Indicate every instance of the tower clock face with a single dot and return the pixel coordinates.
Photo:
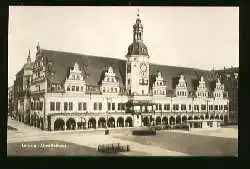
(143, 67)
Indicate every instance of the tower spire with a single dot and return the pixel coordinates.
(29, 59)
(138, 28)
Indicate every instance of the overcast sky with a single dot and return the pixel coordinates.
(198, 37)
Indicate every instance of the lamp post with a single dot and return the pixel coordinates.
(108, 99)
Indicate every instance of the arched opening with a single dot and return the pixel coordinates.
(212, 117)
(196, 118)
(120, 122)
(202, 117)
(111, 122)
(19, 117)
(184, 119)
(178, 120)
(37, 122)
(226, 119)
(165, 120)
(190, 118)
(158, 120)
(101, 122)
(92, 123)
(217, 117)
(221, 117)
(145, 121)
(31, 120)
(207, 116)
(59, 124)
(128, 122)
(71, 124)
(172, 120)
(41, 123)
(196, 124)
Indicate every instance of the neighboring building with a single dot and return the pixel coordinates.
(21, 91)
(75, 91)
(230, 78)
(10, 99)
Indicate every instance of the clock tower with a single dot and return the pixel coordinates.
(137, 65)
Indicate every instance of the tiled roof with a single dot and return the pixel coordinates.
(94, 66)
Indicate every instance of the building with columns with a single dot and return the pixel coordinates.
(69, 91)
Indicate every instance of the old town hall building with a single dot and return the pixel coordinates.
(65, 91)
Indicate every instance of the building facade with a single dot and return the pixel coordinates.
(74, 91)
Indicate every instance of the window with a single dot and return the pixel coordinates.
(165, 106)
(116, 90)
(142, 91)
(73, 88)
(112, 80)
(77, 77)
(57, 106)
(128, 81)
(221, 107)
(225, 107)
(95, 106)
(79, 106)
(109, 106)
(183, 107)
(70, 106)
(203, 107)
(108, 79)
(65, 106)
(176, 107)
(156, 107)
(210, 107)
(113, 106)
(68, 89)
(160, 107)
(123, 106)
(77, 88)
(84, 106)
(119, 106)
(215, 107)
(52, 106)
(168, 106)
(190, 107)
(100, 106)
(103, 89)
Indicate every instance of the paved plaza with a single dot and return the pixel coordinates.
(223, 142)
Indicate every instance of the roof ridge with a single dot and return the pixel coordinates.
(81, 54)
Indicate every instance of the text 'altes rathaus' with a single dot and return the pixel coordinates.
(69, 91)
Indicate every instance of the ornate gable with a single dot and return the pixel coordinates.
(202, 89)
(219, 90)
(159, 87)
(75, 82)
(110, 84)
(181, 88)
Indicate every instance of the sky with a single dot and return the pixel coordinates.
(197, 37)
